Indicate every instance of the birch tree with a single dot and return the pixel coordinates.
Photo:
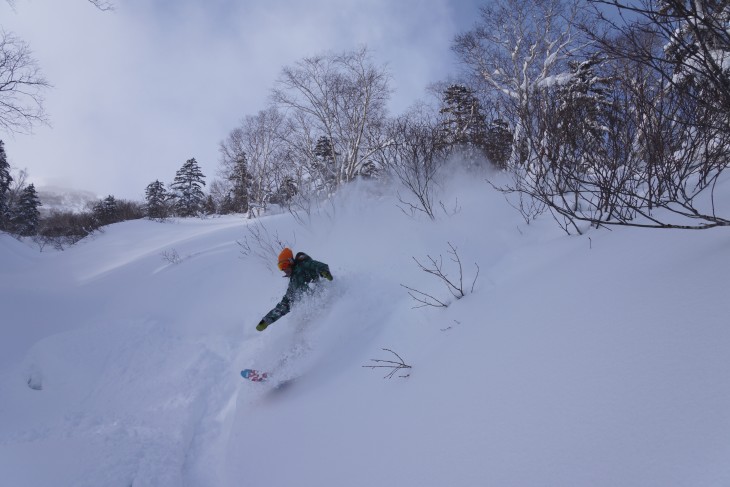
(516, 48)
(21, 86)
(21, 81)
(259, 141)
(518, 44)
(338, 96)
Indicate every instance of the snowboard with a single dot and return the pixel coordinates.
(254, 375)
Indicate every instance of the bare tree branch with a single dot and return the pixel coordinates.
(21, 86)
(261, 243)
(632, 132)
(414, 156)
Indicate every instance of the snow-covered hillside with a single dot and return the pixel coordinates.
(599, 360)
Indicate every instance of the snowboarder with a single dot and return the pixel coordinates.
(301, 270)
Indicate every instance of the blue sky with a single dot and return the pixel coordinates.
(140, 90)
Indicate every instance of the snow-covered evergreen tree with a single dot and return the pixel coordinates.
(498, 143)
(225, 205)
(572, 122)
(464, 126)
(105, 211)
(209, 206)
(156, 196)
(188, 189)
(323, 166)
(5, 180)
(696, 37)
(581, 105)
(699, 40)
(240, 178)
(285, 192)
(25, 215)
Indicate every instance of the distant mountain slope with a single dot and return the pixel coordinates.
(65, 199)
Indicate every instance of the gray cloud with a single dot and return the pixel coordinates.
(142, 89)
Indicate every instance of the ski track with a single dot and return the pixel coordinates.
(152, 413)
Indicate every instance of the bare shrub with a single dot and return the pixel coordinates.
(61, 229)
(415, 156)
(436, 268)
(261, 243)
(171, 256)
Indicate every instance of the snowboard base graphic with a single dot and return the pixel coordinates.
(254, 375)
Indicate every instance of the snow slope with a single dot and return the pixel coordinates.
(576, 361)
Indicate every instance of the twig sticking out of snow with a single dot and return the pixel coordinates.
(456, 288)
(390, 364)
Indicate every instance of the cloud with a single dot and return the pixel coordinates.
(140, 90)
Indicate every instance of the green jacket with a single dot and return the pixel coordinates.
(304, 271)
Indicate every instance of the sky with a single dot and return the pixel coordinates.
(140, 90)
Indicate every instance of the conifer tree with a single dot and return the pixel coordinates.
(697, 46)
(324, 163)
(240, 177)
(187, 188)
(156, 196)
(209, 207)
(105, 211)
(5, 180)
(498, 143)
(464, 126)
(25, 215)
(226, 205)
(581, 102)
(285, 192)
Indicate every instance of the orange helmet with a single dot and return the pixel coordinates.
(286, 259)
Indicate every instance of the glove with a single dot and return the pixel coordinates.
(262, 325)
(326, 275)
